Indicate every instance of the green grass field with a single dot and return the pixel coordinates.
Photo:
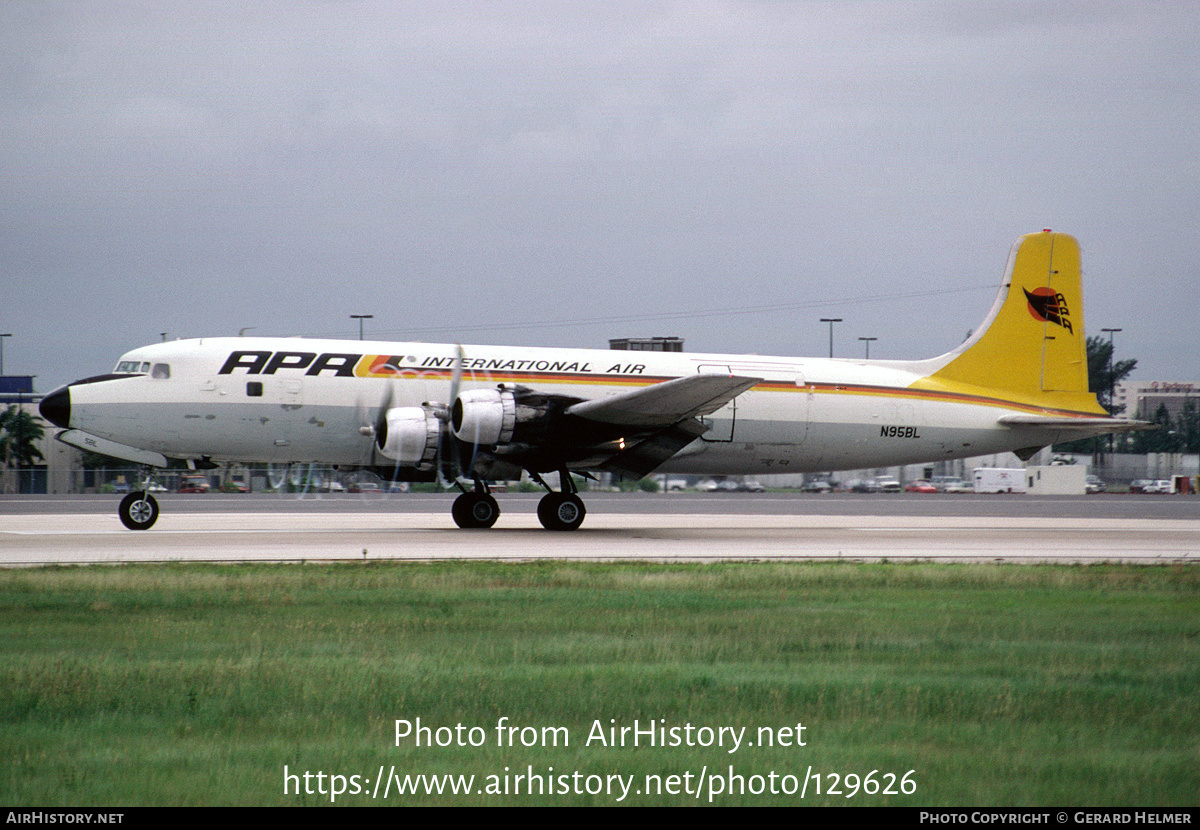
(959, 685)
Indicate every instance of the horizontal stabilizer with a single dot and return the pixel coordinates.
(1089, 425)
(667, 403)
(91, 443)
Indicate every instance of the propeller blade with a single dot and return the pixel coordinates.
(381, 429)
(448, 449)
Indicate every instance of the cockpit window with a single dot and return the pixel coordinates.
(162, 371)
(132, 367)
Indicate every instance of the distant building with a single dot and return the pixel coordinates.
(1142, 399)
(647, 344)
(17, 389)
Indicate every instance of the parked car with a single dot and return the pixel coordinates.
(1094, 484)
(194, 484)
(818, 485)
(1139, 485)
(863, 485)
(1161, 485)
(958, 486)
(751, 487)
(888, 484)
(706, 486)
(920, 486)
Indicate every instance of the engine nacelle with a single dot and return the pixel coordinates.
(409, 436)
(484, 416)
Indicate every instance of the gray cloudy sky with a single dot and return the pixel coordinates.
(560, 173)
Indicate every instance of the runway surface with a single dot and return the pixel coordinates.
(62, 530)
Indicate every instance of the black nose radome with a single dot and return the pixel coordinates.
(56, 407)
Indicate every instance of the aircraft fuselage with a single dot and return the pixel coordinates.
(299, 400)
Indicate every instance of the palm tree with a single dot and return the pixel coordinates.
(1103, 376)
(1104, 373)
(19, 432)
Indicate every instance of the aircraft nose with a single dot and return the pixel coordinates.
(56, 407)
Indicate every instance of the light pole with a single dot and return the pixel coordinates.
(360, 318)
(1112, 381)
(831, 321)
(2, 336)
(867, 340)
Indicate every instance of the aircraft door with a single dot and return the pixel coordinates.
(721, 423)
(798, 417)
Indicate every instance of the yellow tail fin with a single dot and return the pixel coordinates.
(1031, 349)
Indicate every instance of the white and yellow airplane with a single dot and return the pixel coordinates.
(420, 411)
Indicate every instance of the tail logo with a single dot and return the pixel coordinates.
(1048, 306)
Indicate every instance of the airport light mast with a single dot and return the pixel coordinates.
(831, 321)
(1112, 381)
(360, 318)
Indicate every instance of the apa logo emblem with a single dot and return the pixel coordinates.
(1048, 306)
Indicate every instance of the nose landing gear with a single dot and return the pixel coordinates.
(138, 510)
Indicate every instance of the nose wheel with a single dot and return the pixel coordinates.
(138, 511)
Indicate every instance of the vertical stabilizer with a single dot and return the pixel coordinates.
(1032, 348)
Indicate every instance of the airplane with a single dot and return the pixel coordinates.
(471, 415)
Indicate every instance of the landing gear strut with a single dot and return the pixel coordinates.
(561, 511)
(476, 508)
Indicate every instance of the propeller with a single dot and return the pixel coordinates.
(373, 425)
(448, 459)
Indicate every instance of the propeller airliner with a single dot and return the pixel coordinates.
(478, 414)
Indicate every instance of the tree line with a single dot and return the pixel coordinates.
(1178, 434)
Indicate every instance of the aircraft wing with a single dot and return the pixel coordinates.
(665, 404)
(667, 410)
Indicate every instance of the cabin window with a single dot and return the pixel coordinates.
(254, 389)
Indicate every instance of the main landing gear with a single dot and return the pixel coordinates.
(476, 508)
(564, 510)
(561, 511)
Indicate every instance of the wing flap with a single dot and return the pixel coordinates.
(646, 456)
(667, 403)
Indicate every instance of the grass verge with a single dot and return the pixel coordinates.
(985, 685)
